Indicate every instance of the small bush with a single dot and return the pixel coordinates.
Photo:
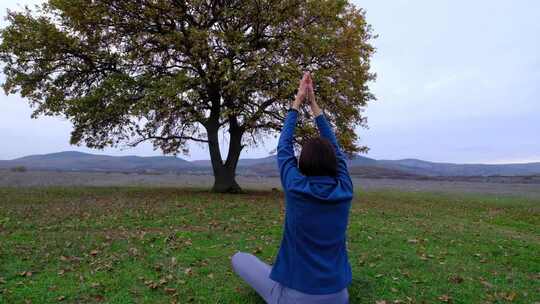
(19, 169)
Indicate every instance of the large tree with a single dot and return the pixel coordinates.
(172, 72)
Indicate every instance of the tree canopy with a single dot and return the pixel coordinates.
(171, 72)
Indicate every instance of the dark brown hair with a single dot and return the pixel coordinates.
(318, 158)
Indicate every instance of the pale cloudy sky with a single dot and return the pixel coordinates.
(458, 81)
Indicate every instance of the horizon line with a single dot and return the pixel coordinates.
(499, 162)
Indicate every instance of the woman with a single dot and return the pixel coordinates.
(312, 264)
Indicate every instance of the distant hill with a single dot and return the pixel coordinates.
(409, 168)
(358, 166)
(426, 168)
(77, 161)
(266, 166)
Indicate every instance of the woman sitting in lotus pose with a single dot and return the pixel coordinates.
(312, 264)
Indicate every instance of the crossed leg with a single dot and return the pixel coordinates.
(256, 273)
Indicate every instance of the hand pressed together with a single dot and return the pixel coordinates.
(306, 94)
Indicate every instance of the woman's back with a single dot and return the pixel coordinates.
(312, 257)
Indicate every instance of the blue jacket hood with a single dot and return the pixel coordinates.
(326, 189)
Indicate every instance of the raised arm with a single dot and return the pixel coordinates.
(287, 163)
(325, 130)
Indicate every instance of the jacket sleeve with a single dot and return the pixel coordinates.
(325, 131)
(287, 163)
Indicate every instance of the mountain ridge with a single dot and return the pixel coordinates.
(359, 165)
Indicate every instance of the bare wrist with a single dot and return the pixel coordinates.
(315, 109)
(296, 103)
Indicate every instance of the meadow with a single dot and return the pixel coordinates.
(172, 245)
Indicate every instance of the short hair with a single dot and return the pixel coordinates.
(318, 158)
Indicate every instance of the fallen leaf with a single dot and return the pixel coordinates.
(151, 284)
(510, 296)
(456, 279)
(99, 298)
(486, 284)
(445, 298)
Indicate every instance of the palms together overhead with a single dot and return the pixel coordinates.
(306, 93)
(305, 89)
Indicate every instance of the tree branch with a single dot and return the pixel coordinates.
(166, 138)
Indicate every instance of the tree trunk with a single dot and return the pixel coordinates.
(225, 173)
(225, 181)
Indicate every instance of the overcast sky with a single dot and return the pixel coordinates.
(458, 81)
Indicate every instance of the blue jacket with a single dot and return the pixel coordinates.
(313, 256)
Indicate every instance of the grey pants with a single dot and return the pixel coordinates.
(256, 273)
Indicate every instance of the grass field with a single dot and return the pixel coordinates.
(148, 245)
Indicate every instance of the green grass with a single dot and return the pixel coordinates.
(147, 245)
